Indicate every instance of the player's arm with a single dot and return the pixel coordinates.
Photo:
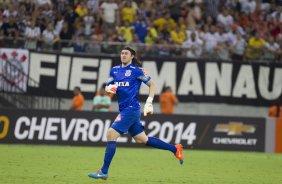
(111, 87)
(148, 108)
(152, 88)
(145, 78)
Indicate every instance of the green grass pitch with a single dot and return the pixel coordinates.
(22, 164)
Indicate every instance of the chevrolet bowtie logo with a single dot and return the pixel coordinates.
(235, 128)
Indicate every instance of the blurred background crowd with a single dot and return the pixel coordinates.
(225, 30)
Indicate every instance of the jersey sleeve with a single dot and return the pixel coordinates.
(111, 78)
(143, 75)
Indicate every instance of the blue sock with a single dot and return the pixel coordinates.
(109, 154)
(157, 143)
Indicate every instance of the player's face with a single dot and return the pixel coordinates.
(126, 57)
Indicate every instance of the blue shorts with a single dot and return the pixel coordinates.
(128, 121)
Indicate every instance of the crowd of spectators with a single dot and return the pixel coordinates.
(221, 29)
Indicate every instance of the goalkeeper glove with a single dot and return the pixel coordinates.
(148, 108)
(112, 88)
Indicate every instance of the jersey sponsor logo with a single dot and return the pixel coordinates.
(127, 73)
(122, 83)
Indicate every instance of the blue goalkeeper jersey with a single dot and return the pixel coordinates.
(128, 80)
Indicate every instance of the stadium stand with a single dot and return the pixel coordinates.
(226, 30)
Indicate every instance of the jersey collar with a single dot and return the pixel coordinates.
(126, 66)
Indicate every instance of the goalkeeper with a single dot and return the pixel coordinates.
(125, 81)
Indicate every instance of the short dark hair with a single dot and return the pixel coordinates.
(166, 88)
(77, 88)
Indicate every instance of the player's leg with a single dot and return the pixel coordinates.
(154, 142)
(137, 132)
(120, 126)
(112, 136)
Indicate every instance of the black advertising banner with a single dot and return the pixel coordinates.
(192, 80)
(210, 132)
(89, 129)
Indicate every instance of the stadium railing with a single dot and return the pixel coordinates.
(91, 47)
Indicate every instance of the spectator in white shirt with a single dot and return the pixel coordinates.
(238, 48)
(190, 31)
(210, 42)
(93, 5)
(88, 23)
(248, 6)
(32, 36)
(272, 49)
(49, 37)
(265, 5)
(225, 19)
(43, 2)
(10, 11)
(277, 15)
(59, 23)
(223, 51)
(109, 13)
(220, 34)
(47, 12)
(229, 37)
(193, 46)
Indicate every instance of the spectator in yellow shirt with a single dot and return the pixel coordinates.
(152, 29)
(128, 12)
(152, 34)
(255, 47)
(182, 24)
(177, 36)
(256, 42)
(165, 20)
(127, 31)
(81, 9)
(150, 39)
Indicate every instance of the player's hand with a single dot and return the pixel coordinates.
(148, 108)
(112, 88)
